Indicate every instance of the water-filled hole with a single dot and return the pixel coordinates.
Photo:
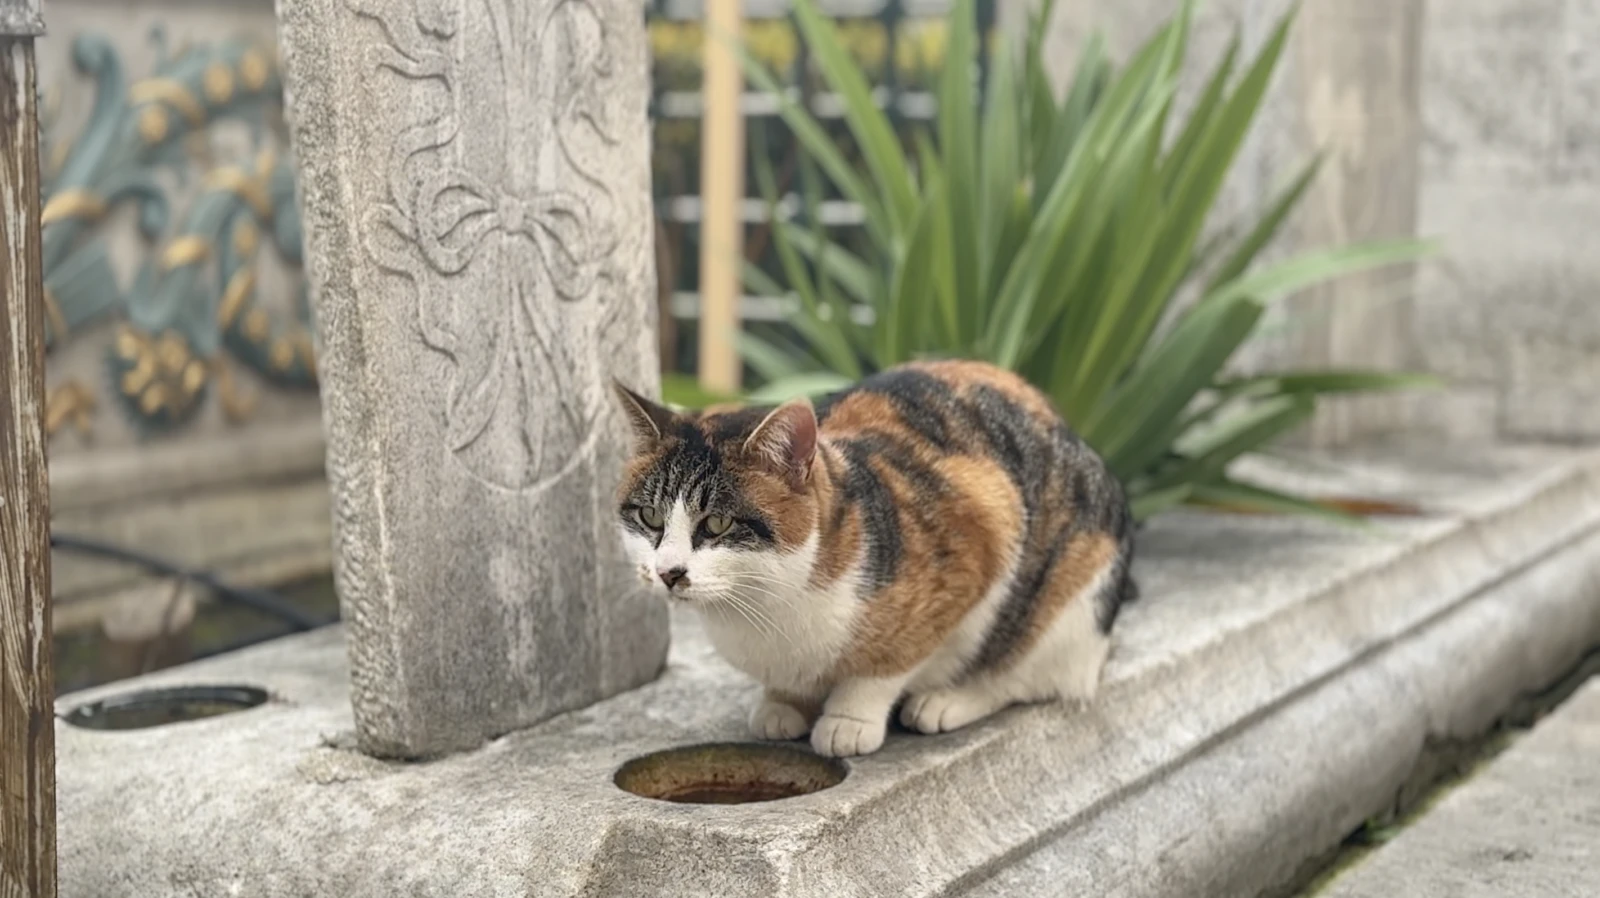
(159, 707)
(729, 773)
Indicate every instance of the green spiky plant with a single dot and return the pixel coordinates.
(1052, 237)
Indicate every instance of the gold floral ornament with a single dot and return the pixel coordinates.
(161, 376)
(73, 203)
(237, 406)
(218, 83)
(160, 97)
(71, 403)
(254, 69)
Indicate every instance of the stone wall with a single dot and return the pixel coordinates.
(182, 411)
(1511, 180)
(1468, 121)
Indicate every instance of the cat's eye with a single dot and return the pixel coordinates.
(718, 524)
(650, 517)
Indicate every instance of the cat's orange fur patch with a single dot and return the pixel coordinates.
(974, 535)
(793, 514)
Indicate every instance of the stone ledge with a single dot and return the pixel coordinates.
(1269, 691)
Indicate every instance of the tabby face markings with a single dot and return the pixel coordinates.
(687, 519)
(702, 555)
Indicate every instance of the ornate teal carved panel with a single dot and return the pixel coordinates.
(193, 306)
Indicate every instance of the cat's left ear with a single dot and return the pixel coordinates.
(787, 440)
(649, 420)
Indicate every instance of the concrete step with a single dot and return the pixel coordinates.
(1527, 826)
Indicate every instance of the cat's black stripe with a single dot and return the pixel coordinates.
(734, 425)
(1122, 588)
(1011, 620)
(863, 489)
(893, 452)
(922, 401)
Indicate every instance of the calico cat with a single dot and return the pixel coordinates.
(935, 532)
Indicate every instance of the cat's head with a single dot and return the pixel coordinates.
(719, 504)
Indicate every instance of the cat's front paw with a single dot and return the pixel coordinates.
(838, 737)
(947, 709)
(777, 721)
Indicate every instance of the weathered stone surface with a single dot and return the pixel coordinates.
(1205, 769)
(1492, 78)
(1511, 307)
(475, 183)
(1528, 826)
(1511, 175)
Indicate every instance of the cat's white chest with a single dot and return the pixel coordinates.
(791, 641)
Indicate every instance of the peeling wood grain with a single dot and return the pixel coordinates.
(27, 687)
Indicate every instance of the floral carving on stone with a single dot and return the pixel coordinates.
(495, 212)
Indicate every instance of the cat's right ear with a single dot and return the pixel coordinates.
(649, 420)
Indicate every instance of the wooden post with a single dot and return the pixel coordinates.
(721, 196)
(27, 682)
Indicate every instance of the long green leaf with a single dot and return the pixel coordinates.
(1266, 228)
(1160, 389)
(1211, 453)
(820, 147)
(903, 333)
(1136, 230)
(769, 361)
(1123, 173)
(1001, 164)
(1202, 115)
(1321, 265)
(1146, 505)
(1243, 495)
(852, 272)
(835, 308)
(811, 384)
(1221, 431)
(958, 150)
(1058, 208)
(867, 122)
(947, 301)
(827, 336)
(1057, 134)
(1193, 196)
(758, 281)
(1324, 382)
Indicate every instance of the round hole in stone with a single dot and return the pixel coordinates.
(729, 773)
(159, 707)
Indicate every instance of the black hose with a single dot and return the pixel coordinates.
(260, 600)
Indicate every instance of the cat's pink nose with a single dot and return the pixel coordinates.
(673, 576)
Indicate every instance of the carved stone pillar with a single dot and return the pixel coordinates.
(475, 185)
